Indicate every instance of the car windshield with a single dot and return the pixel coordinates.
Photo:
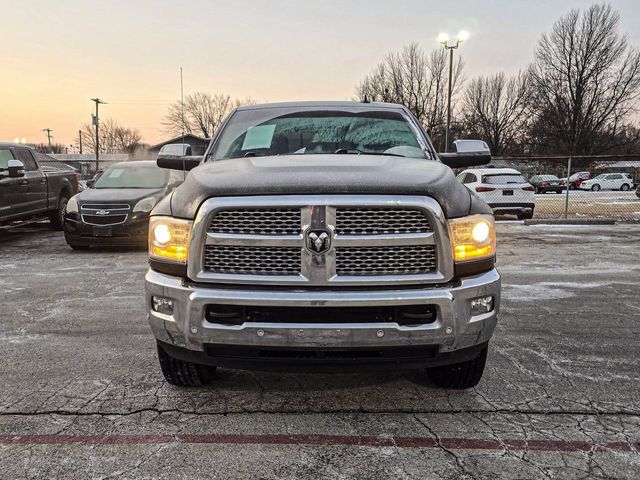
(133, 176)
(503, 178)
(548, 177)
(290, 131)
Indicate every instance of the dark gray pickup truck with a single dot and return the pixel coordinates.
(324, 237)
(29, 190)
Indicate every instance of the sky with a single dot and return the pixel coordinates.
(56, 56)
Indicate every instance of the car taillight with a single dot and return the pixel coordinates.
(484, 189)
(530, 188)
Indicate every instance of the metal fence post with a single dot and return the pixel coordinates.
(566, 196)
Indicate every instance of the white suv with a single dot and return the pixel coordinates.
(504, 189)
(608, 181)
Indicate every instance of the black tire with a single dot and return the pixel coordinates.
(460, 375)
(525, 216)
(625, 187)
(572, 186)
(181, 373)
(539, 190)
(56, 217)
(595, 188)
(75, 246)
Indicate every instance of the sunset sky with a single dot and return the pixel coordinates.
(56, 56)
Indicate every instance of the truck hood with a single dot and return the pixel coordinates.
(322, 174)
(117, 195)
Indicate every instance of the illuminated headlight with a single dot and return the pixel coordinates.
(481, 305)
(72, 205)
(169, 239)
(145, 205)
(472, 237)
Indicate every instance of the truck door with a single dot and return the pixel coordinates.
(10, 198)
(34, 183)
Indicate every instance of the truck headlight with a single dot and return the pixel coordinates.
(169, 239)
(72, 205)
(145, 205)
(472, 237)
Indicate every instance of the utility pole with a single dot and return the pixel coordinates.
(80, 136)
(48, 130)
(96, 122)
(443, 38)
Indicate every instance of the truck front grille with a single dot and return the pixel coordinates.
(265, 221)
(378, 221)
(104, 220)
(404, 260)
(252, 260)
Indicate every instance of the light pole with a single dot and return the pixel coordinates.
(96, 122)
(443, 38)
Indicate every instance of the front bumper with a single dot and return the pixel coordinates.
(454, 329)
(134, 232)
(506, 208)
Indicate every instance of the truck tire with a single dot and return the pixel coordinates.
(181, 373)
(460, 375)
(56, 217)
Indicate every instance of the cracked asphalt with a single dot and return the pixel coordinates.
(82, 396)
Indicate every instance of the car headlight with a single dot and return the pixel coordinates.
(72, 205)
(169, 239)
(472, 237)
(145, 205)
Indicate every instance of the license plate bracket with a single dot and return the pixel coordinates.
(102, 232)
(507, 192)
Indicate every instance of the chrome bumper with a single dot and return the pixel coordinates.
(453, 329)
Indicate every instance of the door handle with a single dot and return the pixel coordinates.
(24, 182)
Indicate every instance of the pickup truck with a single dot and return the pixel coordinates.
(29, 190)
(323, 236)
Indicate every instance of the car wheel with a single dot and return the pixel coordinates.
(181, 373)
(460, 375)
(539, 190)
(75, 246)
(595, 188)
(56, 217)
(625, 187)
(572, 186)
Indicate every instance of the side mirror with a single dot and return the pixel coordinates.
(175, 162)
(468, 153)
(90, 183)
(15, 168)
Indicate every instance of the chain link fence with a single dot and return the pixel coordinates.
(593, 187)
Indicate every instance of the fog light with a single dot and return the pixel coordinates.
(481, 305)
(162, 305)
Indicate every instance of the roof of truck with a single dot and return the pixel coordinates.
(325, 104)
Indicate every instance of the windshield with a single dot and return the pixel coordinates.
(125, 176)
(503, 178)
(287, 131)
(548, 177)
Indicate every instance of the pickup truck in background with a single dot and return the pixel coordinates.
(29, 189)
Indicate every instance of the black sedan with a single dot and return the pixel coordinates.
(547, 183)
(115, 210)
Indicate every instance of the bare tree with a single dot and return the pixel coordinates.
(203, 113)
(496, 109)
(417, 80)
(114, 138)
(586, 80)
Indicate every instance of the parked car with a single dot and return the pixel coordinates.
(638, 191)
(323, 236)
(546, 183)
(504, 189)
(608, 181)
(29, 190)
(576, 179)
(115, 210)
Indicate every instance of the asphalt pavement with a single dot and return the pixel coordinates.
(82, 396)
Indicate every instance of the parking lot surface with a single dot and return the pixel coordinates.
(82, 396)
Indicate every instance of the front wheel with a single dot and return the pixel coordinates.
(595, 188)
(182, 373)
(625, 187)
(56, 217)
(460, 375)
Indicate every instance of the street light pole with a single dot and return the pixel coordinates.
(96, 121)
(443, 38)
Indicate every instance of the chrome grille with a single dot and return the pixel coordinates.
(105, 206)
(252, 260)
(267, 221)
(104, 220)
(387, 260)
(379, 221)
(104, 213)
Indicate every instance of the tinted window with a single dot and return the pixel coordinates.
(503, 178)
(25, 157)
(125, 176)
(287, 131)
(470, 178)
(615, 177)
(5, 156)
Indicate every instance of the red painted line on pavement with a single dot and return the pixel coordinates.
(331, 440)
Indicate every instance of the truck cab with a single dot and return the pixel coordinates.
(323, 236)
